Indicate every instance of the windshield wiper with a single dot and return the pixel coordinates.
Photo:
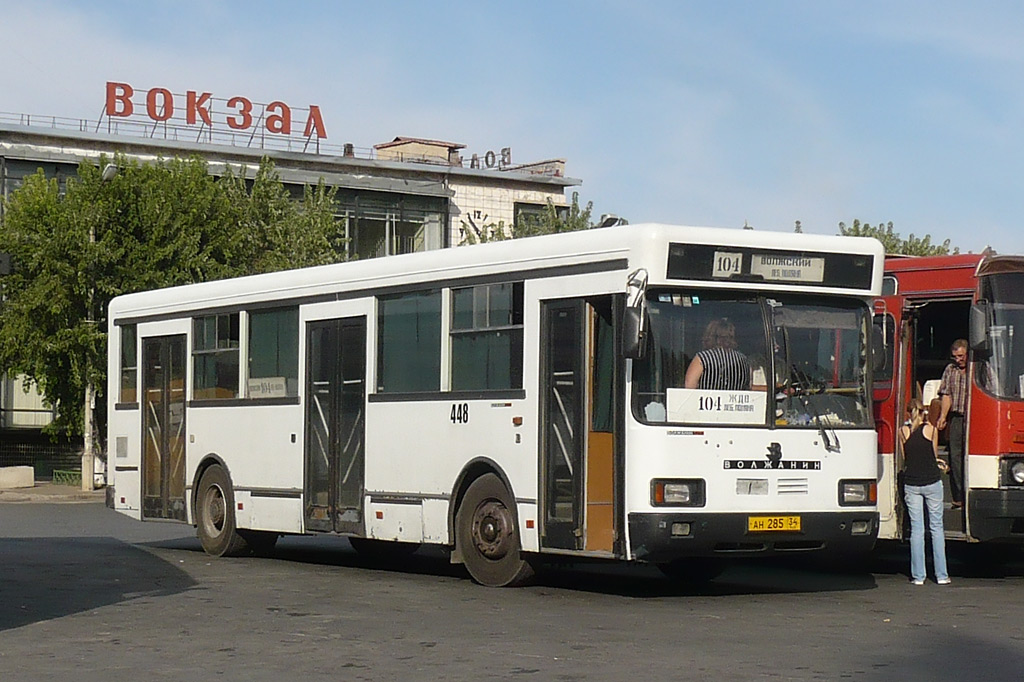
(806, 384)
(800, 393)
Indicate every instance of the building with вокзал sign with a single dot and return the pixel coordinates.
(402, 195)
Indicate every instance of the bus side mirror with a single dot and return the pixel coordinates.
(633, 329)
(634, 316)
(979, 326)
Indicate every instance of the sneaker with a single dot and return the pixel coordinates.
(915, 581)
(944, 581)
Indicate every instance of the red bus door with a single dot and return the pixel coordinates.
(891, 348)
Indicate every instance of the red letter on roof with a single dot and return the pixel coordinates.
(198, 104)
(315, 122)
(244, 120)
(119, 99)
(153, 108)
(279, 122)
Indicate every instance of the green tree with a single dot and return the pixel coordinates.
(272, 230)
(147, 226)
(483, 234)
(556, 219)
(895, 244)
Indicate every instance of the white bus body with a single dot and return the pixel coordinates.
(510, 400)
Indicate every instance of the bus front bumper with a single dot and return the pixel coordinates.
(665, 536)
(996, 514)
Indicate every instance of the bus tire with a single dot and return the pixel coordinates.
(488, 535)
(215, 515)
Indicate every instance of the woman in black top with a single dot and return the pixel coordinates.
(720, 366)
(922, 487)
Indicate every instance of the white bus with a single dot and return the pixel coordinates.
(512, 401)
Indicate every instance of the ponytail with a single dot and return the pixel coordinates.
(915, 408)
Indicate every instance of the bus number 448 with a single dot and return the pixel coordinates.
(460, 413)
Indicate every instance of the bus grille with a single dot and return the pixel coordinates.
(793, 486)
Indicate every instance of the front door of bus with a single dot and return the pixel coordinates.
(891, 347)
(577, 409)
(163, 427)
(335, 415)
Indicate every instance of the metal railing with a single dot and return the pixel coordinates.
(166, 130)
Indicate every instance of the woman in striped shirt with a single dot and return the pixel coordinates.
(719, 366)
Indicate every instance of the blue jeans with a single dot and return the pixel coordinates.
(917, 496)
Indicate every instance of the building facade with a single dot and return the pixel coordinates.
(400, 196)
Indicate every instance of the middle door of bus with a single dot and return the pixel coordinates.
(578, 413)
(335, 422)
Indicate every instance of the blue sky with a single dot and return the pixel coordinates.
(704, 113)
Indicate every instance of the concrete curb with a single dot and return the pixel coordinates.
(48, 493)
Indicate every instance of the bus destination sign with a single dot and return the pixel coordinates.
(749, 264)
(771, 267)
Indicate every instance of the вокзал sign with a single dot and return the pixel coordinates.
(203, 109)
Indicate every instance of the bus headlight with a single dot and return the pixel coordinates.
(677, 492)
(1013, 472)
(858, 493)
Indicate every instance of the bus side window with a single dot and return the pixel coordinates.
(487, 337)
(273, 354)
(215, 357)
(129, 365)
(409, 342)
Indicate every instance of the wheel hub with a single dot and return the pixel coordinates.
(492, 524)
(215, 510)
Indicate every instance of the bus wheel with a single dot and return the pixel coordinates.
(488, 537)
(215, 515)
(695, 570)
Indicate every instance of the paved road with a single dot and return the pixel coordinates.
(86, 594)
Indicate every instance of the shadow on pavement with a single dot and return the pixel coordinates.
(965, 560)
(757, 576)
(798, 573)
(46, 578)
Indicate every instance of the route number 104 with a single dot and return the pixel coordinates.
(727, 264)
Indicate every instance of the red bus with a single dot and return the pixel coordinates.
(927, 303)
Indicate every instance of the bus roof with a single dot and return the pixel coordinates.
(949, 275)
(896, 264)
(604, 249)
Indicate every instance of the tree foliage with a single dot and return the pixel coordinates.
(895, 244)
(149, 226)
(552, 220)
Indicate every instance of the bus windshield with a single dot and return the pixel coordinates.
(788, 361)
(821, 362)
(1000, 371)
(1003, 372)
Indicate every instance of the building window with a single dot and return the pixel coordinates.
(215, 357)
(526, 214)
(129, 365)
(487, 337)
(380, 224)
(273, 354)
(409, 342)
